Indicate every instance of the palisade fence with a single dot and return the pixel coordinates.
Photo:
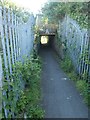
(77, 44)
(16, 41)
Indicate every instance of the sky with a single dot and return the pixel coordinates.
(33, 5)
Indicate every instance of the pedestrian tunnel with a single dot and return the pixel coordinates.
(44, 40)
(47, 41)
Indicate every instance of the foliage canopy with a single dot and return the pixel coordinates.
(19, 11)
(55, 11)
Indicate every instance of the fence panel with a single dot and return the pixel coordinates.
(77, 42)
(17, 40)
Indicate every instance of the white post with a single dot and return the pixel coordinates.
(18, 39)
(4, 54)
(13, 32)
(16, 48)
(10, 35)
(0, 87)
(7, 40)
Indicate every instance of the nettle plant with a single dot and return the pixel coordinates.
(22, 90)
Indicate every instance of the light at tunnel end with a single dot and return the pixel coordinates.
(44, 39)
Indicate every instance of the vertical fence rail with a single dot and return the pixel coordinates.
(4, 53)
(16, 38)
(1, 75)
(10, 35)
(77, 42)
(13, 31)
(7, 39)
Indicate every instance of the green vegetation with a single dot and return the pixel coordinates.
(85, 56)
(19, 11)
(56, 11)
(67, 66)
(79, 12)
(81, 84)
(23, 92)
(83, 88)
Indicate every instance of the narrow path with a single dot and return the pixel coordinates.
(60, 97)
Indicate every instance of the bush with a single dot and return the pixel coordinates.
(28, 102)
(24, 89)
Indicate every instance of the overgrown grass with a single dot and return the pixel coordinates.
(66, 64)
(24, 89)
(81, 85)
(29, 101)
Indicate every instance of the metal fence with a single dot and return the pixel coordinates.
(16, 40)
(77, 43)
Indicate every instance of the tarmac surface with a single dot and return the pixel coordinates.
(60, 98)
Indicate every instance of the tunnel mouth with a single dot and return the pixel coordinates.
(44, 40)
(48, 44)
(47, 40)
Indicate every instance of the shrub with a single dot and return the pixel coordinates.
(23, 89)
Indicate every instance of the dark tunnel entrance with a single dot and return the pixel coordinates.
(46, 41)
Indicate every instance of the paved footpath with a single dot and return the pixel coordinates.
(60, 98)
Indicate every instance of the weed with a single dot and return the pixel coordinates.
(81, 85)
(24, 100)
(66, 64)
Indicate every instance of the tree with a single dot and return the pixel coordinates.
(20, 12)
(55, 11)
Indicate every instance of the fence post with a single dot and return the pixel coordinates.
(13, 32)
(0, 87)
(0, 68)
(10, 35)
(18, 39)
(7, 39)
(15, 19)
(4, 54)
